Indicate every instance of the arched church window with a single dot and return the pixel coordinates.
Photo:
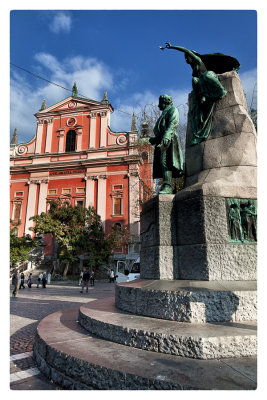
(70, 141)
(144, 156)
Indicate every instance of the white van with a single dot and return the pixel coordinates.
(124, 275)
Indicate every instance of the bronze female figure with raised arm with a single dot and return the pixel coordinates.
(207, 88)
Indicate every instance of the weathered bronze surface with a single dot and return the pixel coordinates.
(207, 88)
(242, 220)
(168, 157)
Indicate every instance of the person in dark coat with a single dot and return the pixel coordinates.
(44, 280)
(168, 157)
(15, 282)
(22, 277)
(92, 278)
(85, 280)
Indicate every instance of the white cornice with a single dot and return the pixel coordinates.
(95, 162)
(76, 99)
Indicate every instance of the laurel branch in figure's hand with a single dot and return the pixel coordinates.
(167, 46)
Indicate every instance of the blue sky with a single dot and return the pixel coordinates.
(118, 51)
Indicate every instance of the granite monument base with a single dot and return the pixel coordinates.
(189, 237)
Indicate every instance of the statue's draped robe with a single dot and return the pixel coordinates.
(207, 89)
(166, 126)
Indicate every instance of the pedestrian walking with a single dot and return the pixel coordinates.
(49, 276)
(92, 278)
(30, 281)
(22, 281)
(111, 276)
(39, 280)
(15, 282)
(44, 280)
(85, 280)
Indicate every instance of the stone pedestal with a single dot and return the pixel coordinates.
(219, 171)
(205, 250)
(158, 239)
(225, 164)
(198, 248)
(189, 238)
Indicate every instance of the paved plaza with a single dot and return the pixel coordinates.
(26, 311)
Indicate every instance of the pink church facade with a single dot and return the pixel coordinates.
(75, 157)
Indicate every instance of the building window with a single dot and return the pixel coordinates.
(52, 191)
(80, 190)
(16, 211)
(117, 187)
(70, 141)
(80, 203)
(66, 191)
(71, 121)
(144, 156)
(18, 194)
(117, 206)
(117, 225)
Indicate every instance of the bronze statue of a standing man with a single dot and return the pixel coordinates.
(168, 157)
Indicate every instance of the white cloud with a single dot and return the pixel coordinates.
(91, 76)
(49, 61)
(61, 22)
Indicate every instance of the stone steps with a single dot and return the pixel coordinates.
(75, 359)
(189, 300)
(202, 341)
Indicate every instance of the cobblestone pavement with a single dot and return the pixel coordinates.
(26, 311)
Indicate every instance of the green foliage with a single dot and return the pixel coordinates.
(20, 247)
(77, 230)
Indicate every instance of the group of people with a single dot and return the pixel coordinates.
(18, 281)
(85, 278)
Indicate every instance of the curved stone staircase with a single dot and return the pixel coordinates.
(98, 346)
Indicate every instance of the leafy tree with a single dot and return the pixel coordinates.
(77, 231)
(20, 247)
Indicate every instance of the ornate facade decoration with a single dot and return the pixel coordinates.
(85, 161)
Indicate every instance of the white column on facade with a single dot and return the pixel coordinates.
(42, 196)
(103, 129)
(61, 141)
(134, 213)
(101, 198)
(30, 207)
(79, 139)
(49, 135)
(39, 136)
(92, 131)
(89, 192)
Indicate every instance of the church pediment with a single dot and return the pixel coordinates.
(72, 103)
